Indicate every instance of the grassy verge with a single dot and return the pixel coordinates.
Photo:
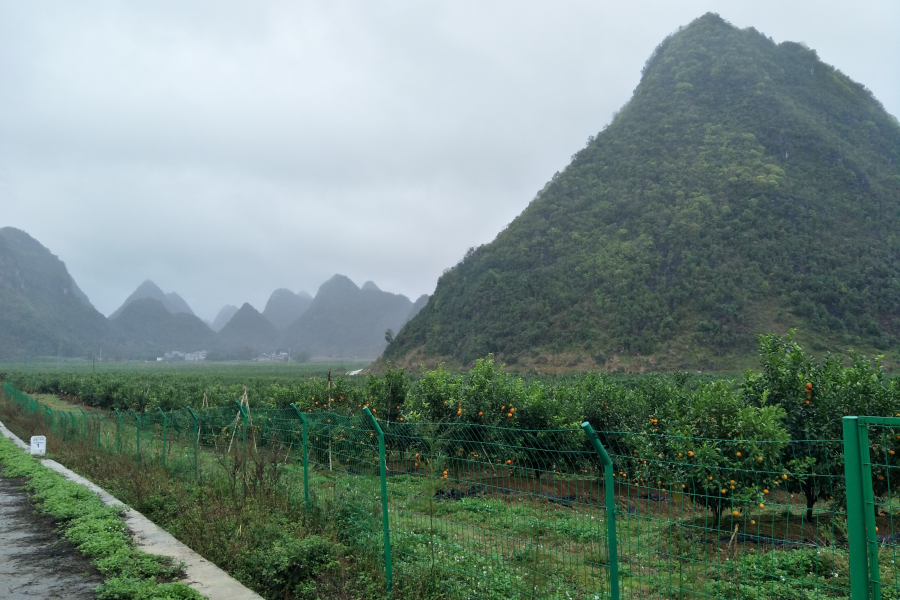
(98, 532)
(258, 534)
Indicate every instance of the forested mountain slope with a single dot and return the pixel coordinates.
(42, 310)
(745, 187)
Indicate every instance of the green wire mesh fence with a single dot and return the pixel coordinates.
(493, 512)
(871, 446)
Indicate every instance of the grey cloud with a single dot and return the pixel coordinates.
(224, 150)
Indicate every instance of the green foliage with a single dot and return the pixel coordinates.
(285, 563)
(813, 397)
(713, 446)
(98, 532)
(801, 424)
(779, 575)
(743, 179)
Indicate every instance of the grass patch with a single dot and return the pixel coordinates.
(98, 532)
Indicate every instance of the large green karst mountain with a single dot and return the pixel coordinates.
(746, 187)
(42, 309)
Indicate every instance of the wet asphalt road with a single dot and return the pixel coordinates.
(34, 561)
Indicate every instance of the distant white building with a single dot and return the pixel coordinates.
(280, 356)
(176, 355)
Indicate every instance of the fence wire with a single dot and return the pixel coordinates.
(492, 512)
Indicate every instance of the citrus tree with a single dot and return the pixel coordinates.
(814, 397)
(711, 446)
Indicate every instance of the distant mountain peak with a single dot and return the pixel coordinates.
(346, 321)
(249, 328)
(172, 301)
(284, 307)
(224, 315)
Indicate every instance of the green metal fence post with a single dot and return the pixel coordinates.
(382, 467)
(611, 511)
(868, 508)
(244, 434)
(84, 416)
(305, 428)
(99, 428)
(165, 423)
(137, 423)
(196, 439)
(49, 412)
(118, 430)
(856, 517)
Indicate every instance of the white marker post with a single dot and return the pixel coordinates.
(38, 445)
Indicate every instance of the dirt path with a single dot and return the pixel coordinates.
(34, 561)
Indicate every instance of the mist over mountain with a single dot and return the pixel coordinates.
(145, 328)
(284, 307)
(249, 329)
(42, 309)
(224, 315)
(417, 306)
(344, 321)
(172, 301)
(746, 187)
(43, 312)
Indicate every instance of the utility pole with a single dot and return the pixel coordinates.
(58, 354)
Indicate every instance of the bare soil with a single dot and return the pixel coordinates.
(34, 561)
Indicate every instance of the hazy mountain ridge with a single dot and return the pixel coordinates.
(42, 312)
(172, 301)
(346, 321)
(745, 186)
(417, 306)
(145, 327)
(248, 328)
(224, 315)
(284, 307)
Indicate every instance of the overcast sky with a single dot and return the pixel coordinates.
(224, 150)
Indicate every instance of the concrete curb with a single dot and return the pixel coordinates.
(202, 575)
